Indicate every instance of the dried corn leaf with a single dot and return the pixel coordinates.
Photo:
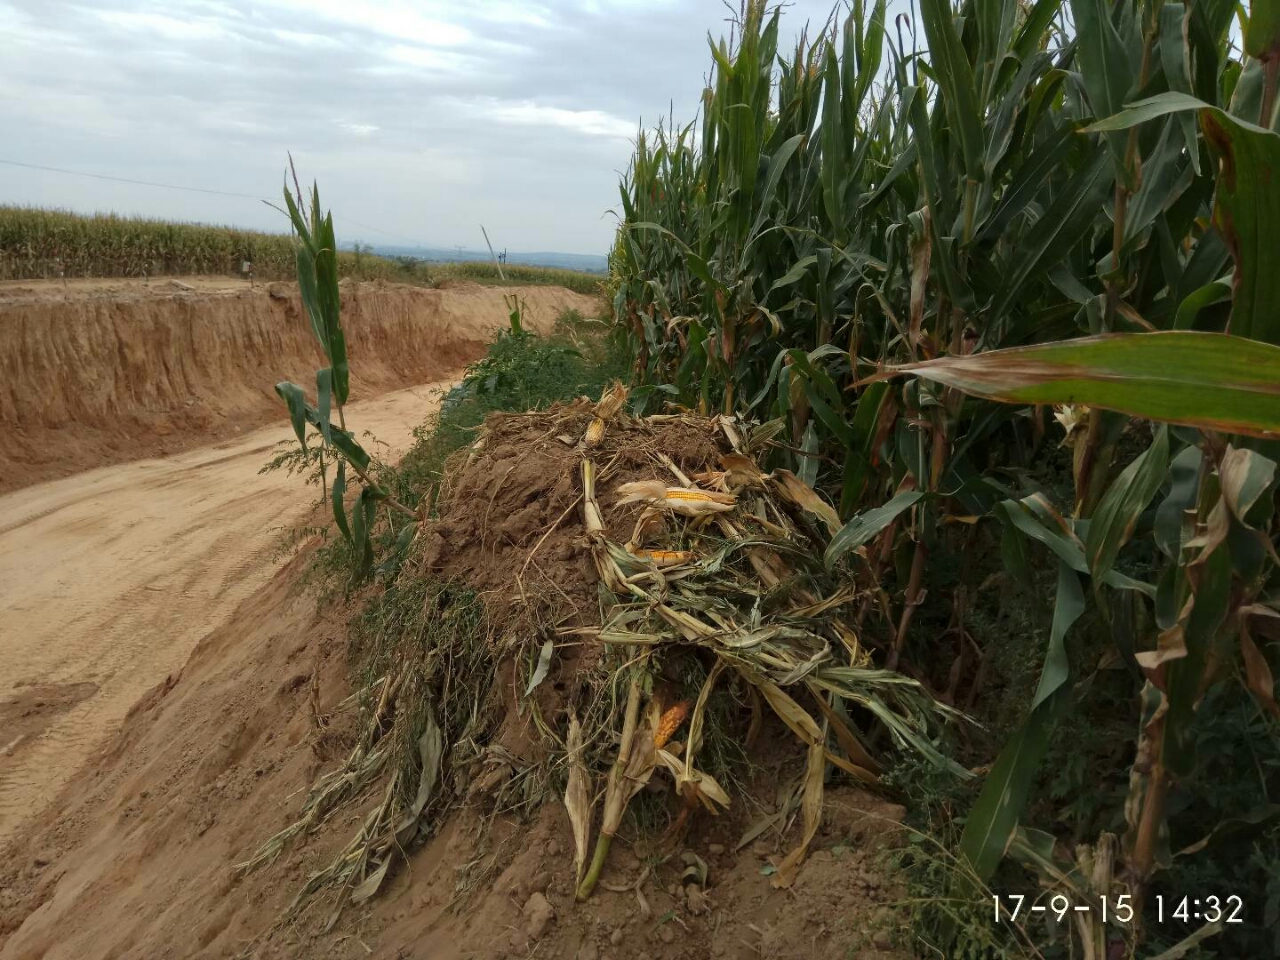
(695, 783)
(430, 752)
(847, 739)
(370, 885)
(811, 807)
(796, 491)
(837, 599)
(690, 627)
(730, 430)
(577, 798)
(788, 711)
(542, 668)
(1257, 674)
(855, 771)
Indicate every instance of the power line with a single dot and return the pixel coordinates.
(140, 183)
(174, 186)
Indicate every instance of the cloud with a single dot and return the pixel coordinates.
(592, 123)
(422, 118)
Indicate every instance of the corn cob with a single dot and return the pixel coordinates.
(611, 401)
(595, 432)
(690, 503)
(662, 558)
(670, 723)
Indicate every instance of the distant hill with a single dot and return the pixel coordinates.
(588, 263)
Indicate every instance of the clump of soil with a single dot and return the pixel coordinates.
(510, 517)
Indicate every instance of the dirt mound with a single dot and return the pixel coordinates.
(508, 527)
(115, 370)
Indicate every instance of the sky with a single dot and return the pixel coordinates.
(420, 120)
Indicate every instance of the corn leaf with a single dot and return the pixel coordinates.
(296, 401)
(1206, 380)
(995, 813)
(866, 525)
(955, 78)
(336, 498)
(1117, 514)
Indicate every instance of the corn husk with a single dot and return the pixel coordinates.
(591, 517)
(796, 491)
(741, 471)
(611, 401)
(648, 524)
(577, 798)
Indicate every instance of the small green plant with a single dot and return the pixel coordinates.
(519, 372)
(317, 261)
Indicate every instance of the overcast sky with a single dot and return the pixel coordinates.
(423, 119)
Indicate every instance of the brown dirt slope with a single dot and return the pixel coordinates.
(135, 857)
(109, 371)
(108, 579)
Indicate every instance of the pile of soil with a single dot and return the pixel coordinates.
(136, 856)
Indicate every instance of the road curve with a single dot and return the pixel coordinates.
(110, 577)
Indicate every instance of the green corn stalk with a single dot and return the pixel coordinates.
(317, 270)
(857, 204)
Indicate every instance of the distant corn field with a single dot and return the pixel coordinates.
(44, 244)
(40, 244)
(484, 272)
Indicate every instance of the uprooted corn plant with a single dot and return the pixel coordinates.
(680, 572)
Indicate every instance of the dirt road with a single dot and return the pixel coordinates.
(109, 578)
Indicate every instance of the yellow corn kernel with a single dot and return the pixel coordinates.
(670, 723)
(595, 433)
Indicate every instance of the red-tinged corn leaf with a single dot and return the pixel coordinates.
(1206, 380)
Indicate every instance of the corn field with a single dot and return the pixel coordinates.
(38, 244)
(41, 244)
(482, 271)
(932, 252)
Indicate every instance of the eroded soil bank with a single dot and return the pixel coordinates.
(103, 372)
